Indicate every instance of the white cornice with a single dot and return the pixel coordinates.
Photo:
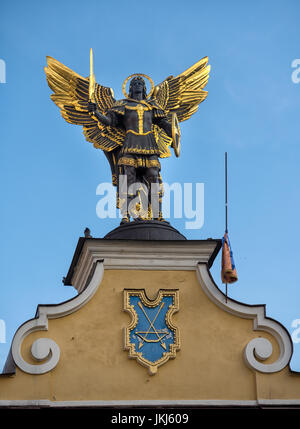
(141, 255)
(44, 348)
(206, 403)
(258, 349)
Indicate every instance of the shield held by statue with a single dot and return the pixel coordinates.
(151, 338)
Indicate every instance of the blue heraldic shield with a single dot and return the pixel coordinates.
(151, 337)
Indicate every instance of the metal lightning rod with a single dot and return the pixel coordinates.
(226, 200)
(226, 205)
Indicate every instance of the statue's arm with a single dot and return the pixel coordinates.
(165, 125)
(105, 120)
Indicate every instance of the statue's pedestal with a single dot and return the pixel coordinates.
(145, 230)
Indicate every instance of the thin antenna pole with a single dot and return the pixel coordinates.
(226, 205)
(226, 201)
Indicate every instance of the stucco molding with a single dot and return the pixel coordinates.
(214, 403)
(45, 349)
(258, 349)
(141, 255)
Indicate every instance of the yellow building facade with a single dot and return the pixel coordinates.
(88, 351)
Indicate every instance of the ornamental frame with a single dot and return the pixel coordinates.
(133, 353)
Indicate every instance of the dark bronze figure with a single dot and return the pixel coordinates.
(134, 132)
(138, 157)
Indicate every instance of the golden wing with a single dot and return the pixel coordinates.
(183, 94)
(71, 95)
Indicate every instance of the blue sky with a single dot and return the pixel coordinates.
(49, 173)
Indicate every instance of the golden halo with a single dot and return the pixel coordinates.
(138, 74)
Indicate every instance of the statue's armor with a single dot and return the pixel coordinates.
(137, 118)
(140, 149)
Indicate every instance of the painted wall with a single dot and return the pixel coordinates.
(94, 366)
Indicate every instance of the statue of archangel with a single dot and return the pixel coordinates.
(133, 132)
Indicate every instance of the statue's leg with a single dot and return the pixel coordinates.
(152, 177)
(161, 193)
(130, 173)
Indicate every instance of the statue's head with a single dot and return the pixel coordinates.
(137, 86)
